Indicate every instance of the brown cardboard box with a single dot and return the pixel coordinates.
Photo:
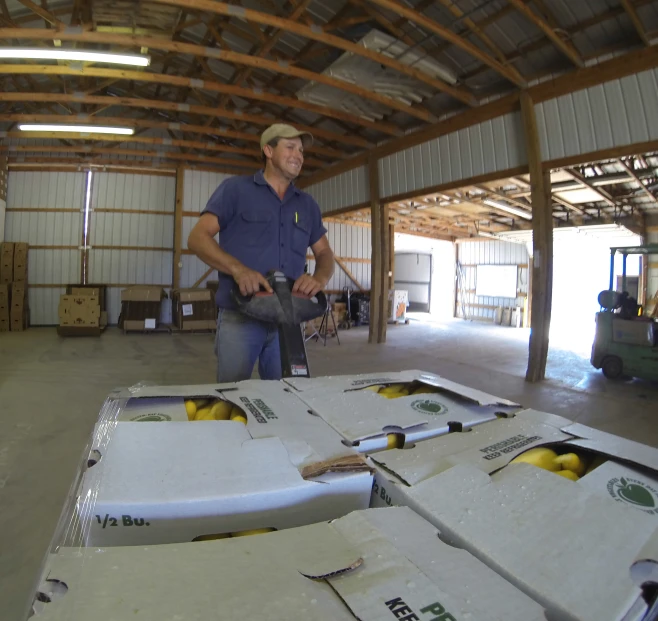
(98, 290)
(20, 261)
(4, 308)
(79, 310)
(80, 315)
(6, 262)
(140, 307)
(143, 293)
(18, 309)
(194, 309)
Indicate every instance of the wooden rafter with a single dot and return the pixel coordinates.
(631, 172)
(482, 35)
(566, 47)
(201, 52)
(637, 22)
(43, 13)
(605, 197)
(165, 155)
(445, 33)
(317, 34)
(207, 85)
(145, 123)
(157, 104)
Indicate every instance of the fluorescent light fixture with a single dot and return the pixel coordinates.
(83, 129)
(508, 208)
(90, 56)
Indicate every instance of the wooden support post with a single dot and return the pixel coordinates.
(376, 282)
(542, 242)
(385, 250)
(178, 226)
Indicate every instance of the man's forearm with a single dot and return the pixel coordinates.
(324, 267)
(207, 249)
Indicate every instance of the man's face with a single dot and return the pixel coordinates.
(287, 157)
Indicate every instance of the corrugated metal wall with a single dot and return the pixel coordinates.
(348, 242)
(488, 147)
(472, 254)
(617, 113)
(198, 188)
(345, 190)
(63, 194)
(129, 224)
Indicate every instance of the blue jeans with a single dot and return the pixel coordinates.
(241, 340)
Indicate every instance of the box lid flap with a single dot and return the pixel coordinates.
(194, 295)
(615, 446)
(531, 526)
(178, 462)
(487, 447)
(375, 563)
(242, 577)
(143, 293)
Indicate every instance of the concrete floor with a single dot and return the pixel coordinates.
(51, 390)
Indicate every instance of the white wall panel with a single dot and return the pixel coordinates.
(199, 187)
(55, 190)
(344, 190)
(142, 192)
(488, 147)
(472, 254)
(130, 267)
(652, 272)
(126, 267)
(614, 114)
(47, 190)
(348, 242)
(130, 229)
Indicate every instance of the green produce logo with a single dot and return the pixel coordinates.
(151, 418)
(428, 406)
(634, 493)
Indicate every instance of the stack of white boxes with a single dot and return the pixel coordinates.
(442, 527)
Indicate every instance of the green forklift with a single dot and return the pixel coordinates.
(626, 339)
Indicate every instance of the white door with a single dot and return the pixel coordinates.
(413, 273)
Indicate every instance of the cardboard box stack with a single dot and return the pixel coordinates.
(450, 527)
(14, 308)
(6, 262)
(80, 312)
(194, 309)
(140, 308)
(4, 307)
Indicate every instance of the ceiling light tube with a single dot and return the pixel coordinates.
(83, 129)
(91, 56)
(508, 208)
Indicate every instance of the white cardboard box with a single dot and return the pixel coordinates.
(580, 556)
(365, 418)
(174, 481)
(369, 565)
(510, 520)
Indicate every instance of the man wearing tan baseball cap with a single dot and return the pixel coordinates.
(264, 223)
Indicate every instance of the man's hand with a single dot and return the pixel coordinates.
(250, 281)
(307, 285)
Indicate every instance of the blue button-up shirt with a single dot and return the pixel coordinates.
(262, 231)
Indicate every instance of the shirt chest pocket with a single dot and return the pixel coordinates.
(301, 237)
(256, 225)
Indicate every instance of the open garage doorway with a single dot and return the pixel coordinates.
(425, 268)
(581, 270)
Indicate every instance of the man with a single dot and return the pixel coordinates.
(264, 223)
